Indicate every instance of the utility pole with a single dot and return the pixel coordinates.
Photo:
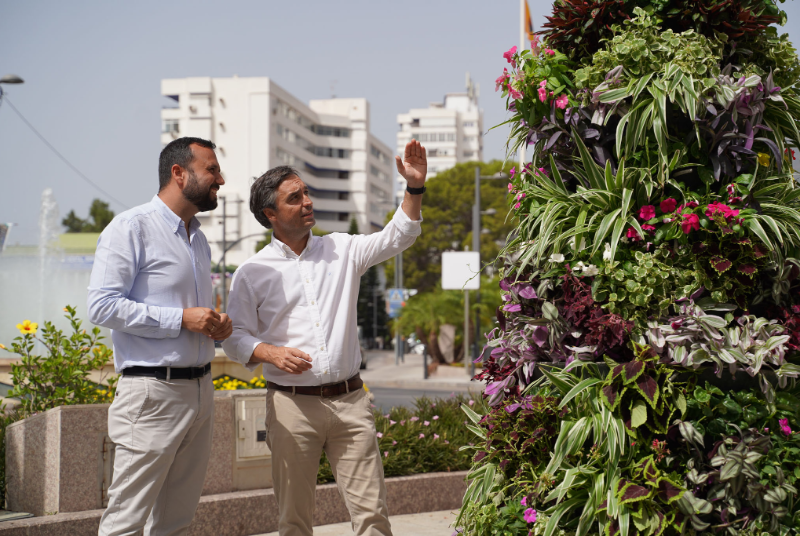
(225, 249)
(398, 283)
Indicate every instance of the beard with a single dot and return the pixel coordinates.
(195, 194)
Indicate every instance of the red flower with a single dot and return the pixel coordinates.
(649, 228)
(647, 212)
(726, 211)
(668, 205)
(633, 234)
(690, 221)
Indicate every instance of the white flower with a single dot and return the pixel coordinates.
(607, 253)
(556, 257)
(580, 266)
(571, 243)
(590, 270)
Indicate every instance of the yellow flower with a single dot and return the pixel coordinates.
(2, 346)
(65, 310)
(27, 327)
(763, 159)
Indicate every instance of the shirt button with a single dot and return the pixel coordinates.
(307, 281)
(317, 324)
(312, 302)
(321, 347)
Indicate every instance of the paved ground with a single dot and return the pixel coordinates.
(382, 372)
(428, 524)
(388, 398)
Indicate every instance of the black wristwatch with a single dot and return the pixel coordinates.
(415, 191)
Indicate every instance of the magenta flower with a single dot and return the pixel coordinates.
(647, 212)
(530, 515)
(516, 206)
(726, 211)
(648, 228)
(562, 101)
(516, 95)
(510, 186)
(633, 234)
(690, 221)
(668, 205)
(550, 51)
(501, 79)
(509, 55)
(524, 501)
(542, 94)
(787, 431)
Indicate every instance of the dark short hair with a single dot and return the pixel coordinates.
(178, 152)
(264, 191)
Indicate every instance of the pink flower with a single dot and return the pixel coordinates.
(394, 442)
(516, 95)
(543, 84)
(647, 212)
(535, 45)
(471, 402)
(512, 172)
(726, 211)
(509, 55)
(414, 419)
(530, 515)
(524, 501)
(427, 423)
(501, 79)
(435, 417)
(633, 234)
(516, 206)
(542, 94)
(785, 427)
(446, 442)
(668, 205)
(562, 101)
(421, 436)
(690, 204)
(550, 52)
(380, 435)
(520, 195)
(385, 453)
(543, 172)
(648, 228)
(386, 416)
(690, 221)
(436, 436)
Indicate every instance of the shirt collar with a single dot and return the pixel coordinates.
(285, 251)
(173, 220)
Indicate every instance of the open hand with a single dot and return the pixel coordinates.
(414, 165)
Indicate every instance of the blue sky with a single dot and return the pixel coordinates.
(92, 75)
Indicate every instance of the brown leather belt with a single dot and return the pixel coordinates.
(333, 389)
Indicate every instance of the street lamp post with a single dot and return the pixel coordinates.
(476, 246)
(9, 79)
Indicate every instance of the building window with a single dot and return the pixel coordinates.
(328, 194)
(378, 173)
(330, 152)
(451, 136)
(381, 194)
(290, 113)
(287, 158)
(415, 137)
(469, 154)
(168, 126)
(468, 124)
(332, 131)
(380, 155)
(423, 137)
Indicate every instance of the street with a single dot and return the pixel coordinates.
(387, 398)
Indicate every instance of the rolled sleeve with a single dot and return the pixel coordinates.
(113, 274)
(243, 312)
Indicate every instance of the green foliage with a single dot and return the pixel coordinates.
(353, 229)
(404, 449)
(100, 216)
(371, 308)
(447, 222)
(316, 231)
(643, 287)
(641, 48)
(768, 51)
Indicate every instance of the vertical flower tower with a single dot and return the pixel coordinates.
(642, 378)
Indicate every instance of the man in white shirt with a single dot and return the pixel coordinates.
(151, 285)
(293, 307)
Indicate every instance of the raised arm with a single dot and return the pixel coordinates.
(414, 168)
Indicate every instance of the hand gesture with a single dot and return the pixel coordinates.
(414, 165)
(224, 329)
(287, 359)
(201, 320)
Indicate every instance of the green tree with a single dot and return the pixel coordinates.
(316, 231)
(371, 307)
(353, 230)
(100, 216)
(447, 225)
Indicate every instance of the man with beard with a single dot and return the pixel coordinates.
(151, 286)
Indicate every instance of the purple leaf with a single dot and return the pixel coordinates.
(631, 493)
(668, 492)
(526, 291)
(512, 308)
(632, 370)
(648, 387)
(540, 334)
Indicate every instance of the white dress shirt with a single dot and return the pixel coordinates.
(145, 273)
(308, 301)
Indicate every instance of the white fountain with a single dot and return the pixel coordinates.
(36, 284)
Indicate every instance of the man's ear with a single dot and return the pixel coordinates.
(270, 214)
(179, 176)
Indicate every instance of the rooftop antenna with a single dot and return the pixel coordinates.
(333, 88)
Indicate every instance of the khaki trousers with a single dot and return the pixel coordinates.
(299, 428)
(162, 431)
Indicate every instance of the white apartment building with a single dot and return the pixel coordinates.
(451, 131)
(258, 125)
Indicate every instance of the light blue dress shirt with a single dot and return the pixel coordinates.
(146, 272)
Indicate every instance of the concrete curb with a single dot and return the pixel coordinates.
(432, 385)
(243, 513)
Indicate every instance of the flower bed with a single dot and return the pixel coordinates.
(643, 373)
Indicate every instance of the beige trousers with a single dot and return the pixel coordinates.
(299, 428)
(162, 431)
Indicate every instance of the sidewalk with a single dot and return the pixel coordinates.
(382, 372)
(427, 524)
